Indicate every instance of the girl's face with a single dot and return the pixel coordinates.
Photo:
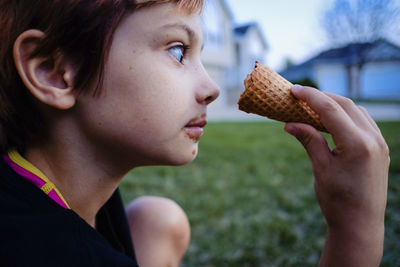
(152, 108)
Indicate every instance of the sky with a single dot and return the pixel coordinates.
(291, 27)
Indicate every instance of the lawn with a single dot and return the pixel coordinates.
(249, 197)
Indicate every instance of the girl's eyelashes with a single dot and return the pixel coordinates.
(179, 52)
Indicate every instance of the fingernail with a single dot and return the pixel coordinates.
(296, 88)
(290, 129)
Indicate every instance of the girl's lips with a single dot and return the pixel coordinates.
(194, 130)
(200, 123)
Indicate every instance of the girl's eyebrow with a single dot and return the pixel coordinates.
(190, 32)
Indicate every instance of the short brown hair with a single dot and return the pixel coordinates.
(80, 29)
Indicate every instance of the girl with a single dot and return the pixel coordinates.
(90, 89)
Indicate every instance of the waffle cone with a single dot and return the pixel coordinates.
(268, 94)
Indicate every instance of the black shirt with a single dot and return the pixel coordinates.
(36, 231)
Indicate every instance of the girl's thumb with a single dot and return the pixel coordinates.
(312, 140)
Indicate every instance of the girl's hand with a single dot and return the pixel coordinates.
(350, 180)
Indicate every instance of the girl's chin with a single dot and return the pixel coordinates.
(185, 158)
(175, 156)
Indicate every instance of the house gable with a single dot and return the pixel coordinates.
(383, 51)
(242, 31)
(359, 70)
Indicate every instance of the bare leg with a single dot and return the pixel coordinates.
(160, 231)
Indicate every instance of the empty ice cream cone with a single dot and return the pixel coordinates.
(269, 94)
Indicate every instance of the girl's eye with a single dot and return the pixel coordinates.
(178, 52)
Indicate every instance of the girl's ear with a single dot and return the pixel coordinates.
(49, 79)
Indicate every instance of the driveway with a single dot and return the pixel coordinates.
(383, 112)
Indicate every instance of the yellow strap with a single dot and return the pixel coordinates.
(47, 187)
(22, 162)
(18, 159)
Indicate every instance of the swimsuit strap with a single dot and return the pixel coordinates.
(34, 175)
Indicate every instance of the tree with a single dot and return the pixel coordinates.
(288, 62)
(351, 21)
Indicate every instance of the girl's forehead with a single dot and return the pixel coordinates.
(161, 20)
(189, 6)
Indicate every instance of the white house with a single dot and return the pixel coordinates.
(218, 53)
(229, 51)
(250, 46)
(359, 70)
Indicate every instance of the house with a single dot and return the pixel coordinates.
(250, 46)
(230, 51)
(218, 53)
(359, 70)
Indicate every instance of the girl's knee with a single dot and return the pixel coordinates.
(162, 213)
(158, 220)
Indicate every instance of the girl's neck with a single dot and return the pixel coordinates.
(85, 179)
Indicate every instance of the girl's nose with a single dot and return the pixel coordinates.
(208, 90)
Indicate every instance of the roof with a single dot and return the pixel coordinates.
(241, 30)
(359, 53)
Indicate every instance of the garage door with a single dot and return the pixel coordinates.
(332, 78)
(381, 80)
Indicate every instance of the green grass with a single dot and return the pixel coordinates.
(249, 197)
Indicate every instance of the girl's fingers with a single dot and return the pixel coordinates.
(332, 115)
(352, 110)
(312, 140)
(371, 121)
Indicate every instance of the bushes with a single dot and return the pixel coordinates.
(306, 82)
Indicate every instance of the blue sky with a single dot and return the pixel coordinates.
(291, 27)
